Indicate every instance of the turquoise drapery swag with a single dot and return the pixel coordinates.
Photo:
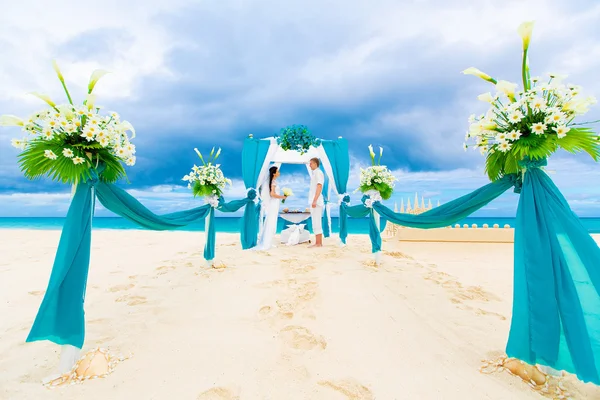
(556, 298)
(361, 211)
(249, 223)
(338, 155)
(60, 318)
(254, 154)
(556, 301)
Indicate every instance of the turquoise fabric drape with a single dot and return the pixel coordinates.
(122, 203)
(358, 211)
(339, 157)
(60, 318)
(249, 223)
(451, 212)
(254, 153)
(556, 301)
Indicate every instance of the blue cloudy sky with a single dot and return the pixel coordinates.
(208, 73)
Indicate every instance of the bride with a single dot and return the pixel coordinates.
(270, 203)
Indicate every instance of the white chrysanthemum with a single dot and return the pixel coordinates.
(47, 132)
(504, 146)
(515, 116)
(514, 135)
(19, 143)
(78, 160)
(561, 131)
(50, 154)
(68, 153)
(538, 128)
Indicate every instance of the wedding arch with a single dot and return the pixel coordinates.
(258, 155)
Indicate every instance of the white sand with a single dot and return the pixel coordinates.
(292, 324)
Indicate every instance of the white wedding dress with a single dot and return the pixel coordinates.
(271, 214)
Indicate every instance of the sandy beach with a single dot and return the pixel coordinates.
(289, 324)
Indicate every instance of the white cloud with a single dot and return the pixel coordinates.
(264, 61)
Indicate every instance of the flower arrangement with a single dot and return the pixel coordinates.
(65, 142)
(297, 137)
(287, 192)
(534, 122)
(207, 180)
(377, 177)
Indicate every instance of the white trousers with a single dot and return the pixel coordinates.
(317, 219)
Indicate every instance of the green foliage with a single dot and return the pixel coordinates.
(384, 189)
(205, 190)
(498, 163)
(35, 164)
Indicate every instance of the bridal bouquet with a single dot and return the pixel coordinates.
(377, 177)
(207, 180)
(533, 122)
(287, 192)
(66, 141)
(297, 137)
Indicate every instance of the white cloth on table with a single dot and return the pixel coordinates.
(295, 234)
(295, 218)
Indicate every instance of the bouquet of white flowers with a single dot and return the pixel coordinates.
(287, 192)
(207, 180)
(532, 123)
(377, 177)
(65, 141)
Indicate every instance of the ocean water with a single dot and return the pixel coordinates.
(232, 224)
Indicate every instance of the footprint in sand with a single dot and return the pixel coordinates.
(132, 300)
(219, 393)
(133, 277)
(120, 288)
(265, 310)
(397, 254)
(303, 269)
(286, 309)
(37, 292)
(350, 388)
(164, 269)
(301, 338)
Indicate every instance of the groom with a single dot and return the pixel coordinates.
(315, 199)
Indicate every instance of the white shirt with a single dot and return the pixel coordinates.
(316, 177)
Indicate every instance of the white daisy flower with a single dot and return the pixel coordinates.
(78, 160)
(68, 153)
(47, 132)
(514, 135)
(538, 128)
(538, 104)
(130, 161)
(19, 143)
(50, 154)
(561, 131)
(504, 146)
(515, 116)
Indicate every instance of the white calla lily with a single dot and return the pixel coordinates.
(476, 72)
(96, 75)
(525, 30)
(11, 120)
(44, 97)
(487, 97)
